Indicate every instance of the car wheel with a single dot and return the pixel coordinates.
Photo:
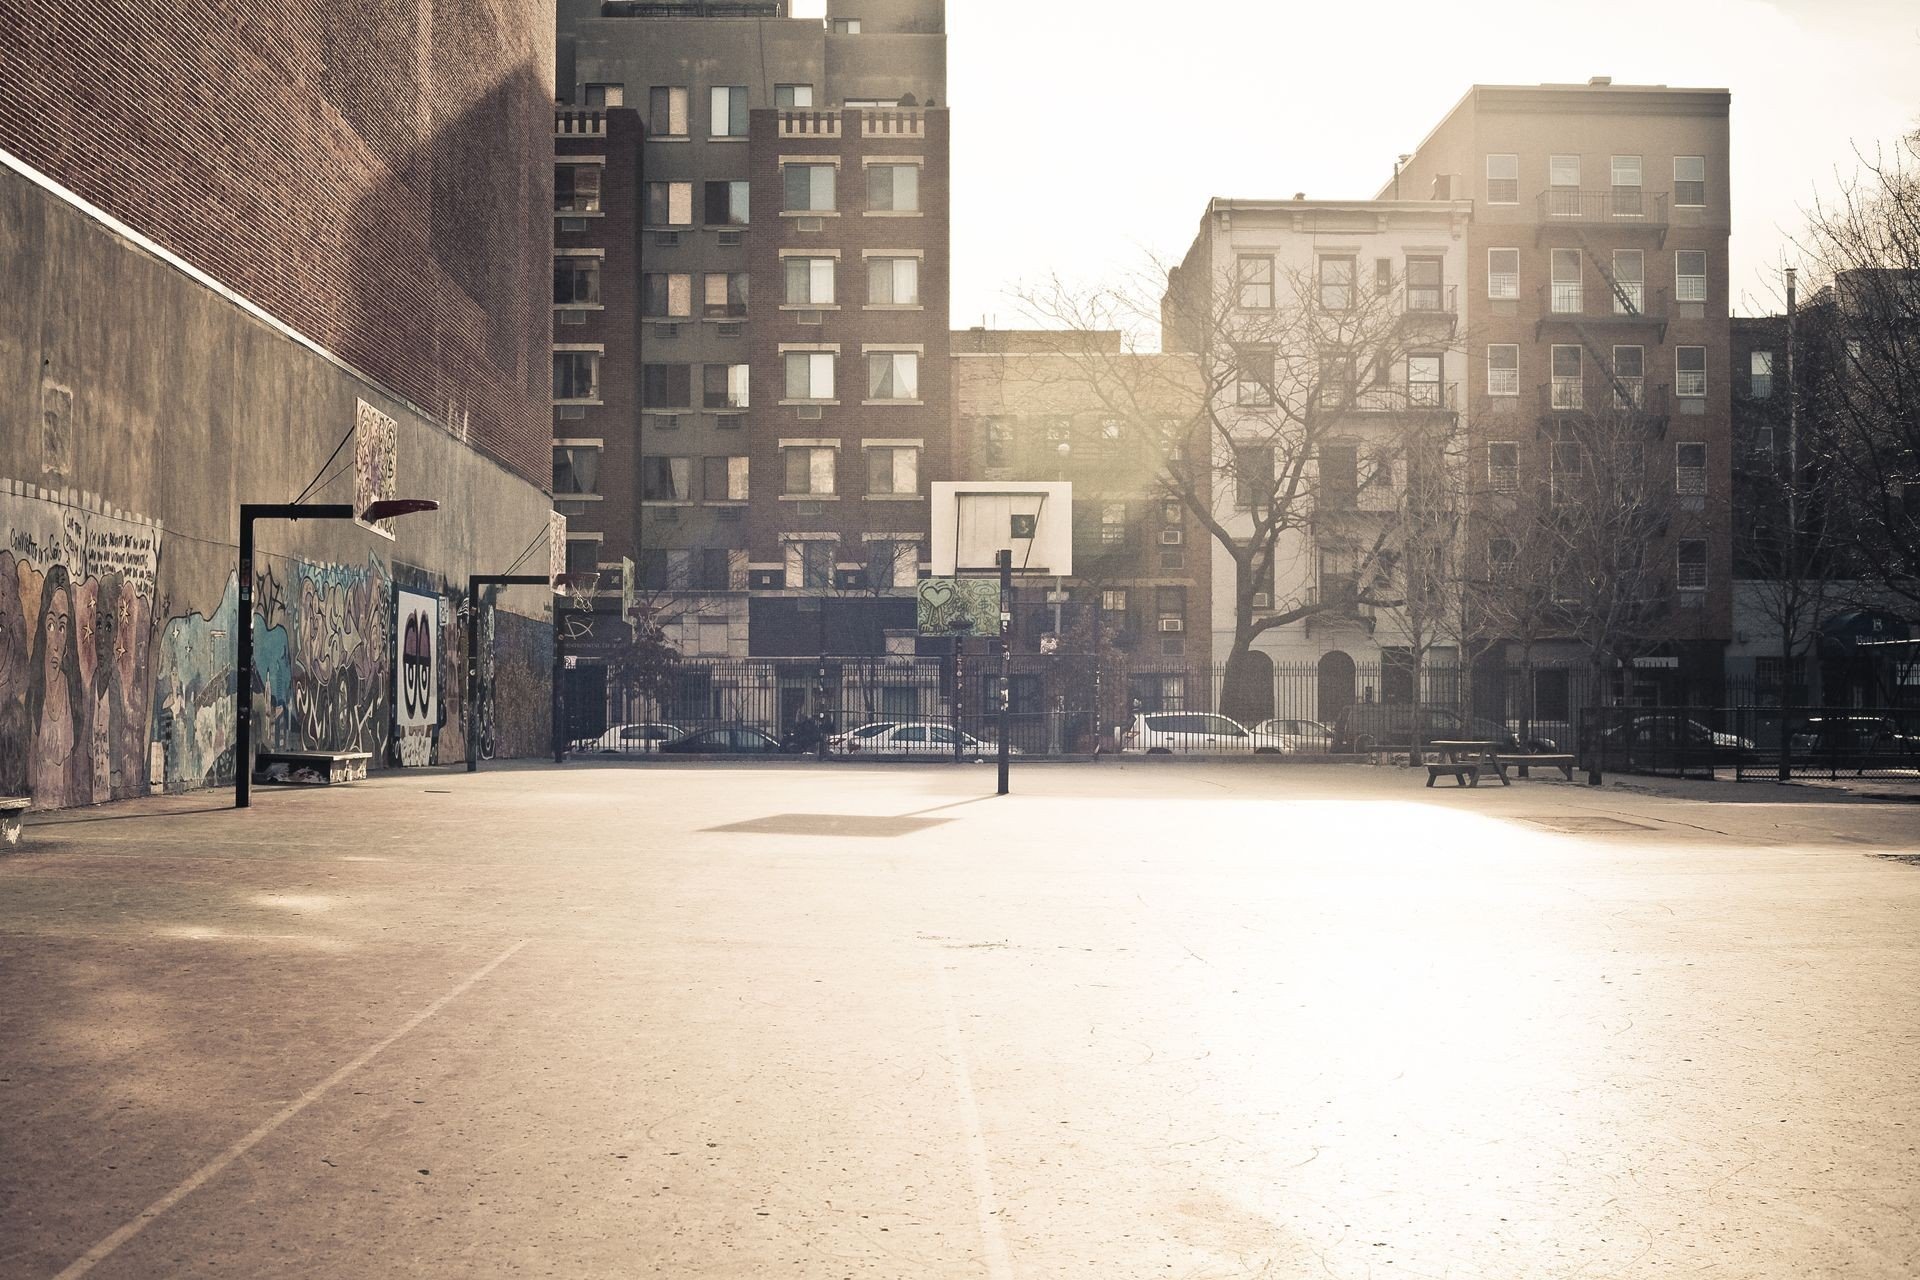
(1266, 751)
(1158, 751)
(1364, 743)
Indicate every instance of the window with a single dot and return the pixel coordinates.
(1503, 179)
(1690, 380)
(810, 563)
(725, 294)
(1690, 275)
(1113, 524)
(791, 97)
(576, 375)
(666, 386)
(810, 282)
(712, 571)
(576, 188)
(1425, 284)
(575, 468)
(1568, 384)
(1339, 381)
(666, 479)
(667, 111)
(893, 469)
(1690, 181)
(666, 296)
(1503, 466)
(726, 204)
(892, 563)
(606, 95)
(1382, 274)
(809, 188)
(893, 375)
(1503, 369)
(576, 281)
(1691, 557)
(1339, 474)
(893, 188)
(1252, 476)
(1626, 187)
(1338, 581)
(1501, 553)
(846, 26)
(1114, 601)
(1336, 283)
(724, 386)
(1563, 195)
(728, 116)
(1170, 602)
(893, 282)
(1629, 378)
(669, 204)
(1760, 387)
(809, 375)
(1566, 465)
(1253, 374)
(1256, 284)
(1629, 282)
(1503, 273)
(726, 479)
(1690, 468)
(999, 443)
(811, 470)
(1424, 390)
(1569, 291)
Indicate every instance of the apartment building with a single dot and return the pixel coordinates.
(770, 354)
(1598, 296)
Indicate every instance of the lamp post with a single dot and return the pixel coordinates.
(243, 702)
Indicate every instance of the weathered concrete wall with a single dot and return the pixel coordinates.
(139, 406)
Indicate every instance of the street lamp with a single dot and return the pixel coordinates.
(250, 512)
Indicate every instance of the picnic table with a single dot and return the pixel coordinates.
(1463, 759)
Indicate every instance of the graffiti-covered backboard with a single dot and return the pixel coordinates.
(959, 606)
(557, 551)
(376, 454)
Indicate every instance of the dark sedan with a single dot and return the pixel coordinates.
(727, 740)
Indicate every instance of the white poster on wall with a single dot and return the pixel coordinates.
(416, 661)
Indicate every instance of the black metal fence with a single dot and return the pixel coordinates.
(1755, 743)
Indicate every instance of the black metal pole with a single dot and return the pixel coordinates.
(1006, 663)
(243, 673)
(559, 685)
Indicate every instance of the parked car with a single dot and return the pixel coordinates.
(1298, 737)
(1372, 726)
(1160, 733)
(850, 740)
(1660, 731)
(916, 739)
(630, 739)
(724, 740)
(1853, 737)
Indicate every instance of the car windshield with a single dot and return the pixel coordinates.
(1221, 727)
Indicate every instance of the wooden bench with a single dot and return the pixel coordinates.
(1464, 775)
(1563, 763)
(11, 809)
(310, 768)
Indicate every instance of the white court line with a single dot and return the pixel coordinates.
(100, 1252)
(999, 1263)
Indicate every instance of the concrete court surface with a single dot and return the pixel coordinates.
(1134, 1021)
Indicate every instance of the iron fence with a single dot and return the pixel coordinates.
(1755, 743)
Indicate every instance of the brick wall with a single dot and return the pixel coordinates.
(374, 173)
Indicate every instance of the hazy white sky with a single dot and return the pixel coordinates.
(1090, 133)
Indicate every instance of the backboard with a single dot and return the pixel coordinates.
(974, 520)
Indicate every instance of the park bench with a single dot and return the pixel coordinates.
(310, 768)
(1464, 775)
(11, 810)
(1563, 763)
(1465, 759)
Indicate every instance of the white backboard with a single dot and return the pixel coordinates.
(974, 520)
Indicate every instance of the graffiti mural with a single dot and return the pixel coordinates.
(193, 699)
(416, 667)
(77, 582)
(322, 657)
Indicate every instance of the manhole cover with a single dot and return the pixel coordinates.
(832, 824)
(1577, 825)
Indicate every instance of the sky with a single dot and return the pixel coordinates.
(1090, 134)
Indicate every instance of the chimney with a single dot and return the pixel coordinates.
(1600, 82)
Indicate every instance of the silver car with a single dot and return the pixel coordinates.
(1162, 733)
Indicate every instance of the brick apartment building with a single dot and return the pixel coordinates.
(765, 371)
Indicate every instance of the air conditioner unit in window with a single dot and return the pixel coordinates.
(1172, 537)
(571, 412)
(666, 239)
(1262, 600)
(573, 225)
(1173, 624)
(733, 330)
(811, 413)
(572, 317)
(813, 508)
(665, 422)
(728, 239)
(809, 317)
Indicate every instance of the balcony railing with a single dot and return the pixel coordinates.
(1395, 397)
(1606, 207)
(1568, 301)
(809, 124)
(1600, 394)
(579, 124)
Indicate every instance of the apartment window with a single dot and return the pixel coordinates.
(576, 375)
(1424, 389)
(809, 375)
(576, 188)
(1382, 274)
(606, 95)
(1690, 181)
(1336, 283)
(666, 386)
(667, 111)
(810, 563)
(893, 375)
(892, 563)
(1569, 389)
(1113, 524)
(1503, 369)
(666, 479)
(810, 282)
(726, 204)
(1253, 374)
(1113, 601)
(669, 204)
(1566, 465)
(1170, 602)
(1627, 201)
(724, 386)
(1503, 179)
(1340, 380)
(1629, 378)
(1690, 467)
(728, 115)
(1690, 275)
(1339, 474)
(576, 468)
(893, 188)
(1256, 283)
(725, 294)
(1563, 183)
(726, 479)
(1426, 286)
(1501, 553)
(1691, 558)
(1690, 380)
(846, 26)
(1252, 476)
(1760, 386)
(666, 295)
(1568, 295)
(792, 97)
(1338, 579)
(1503, 273)
(809, 188)
(999, 443)
(893, 282)
(893, 470)
(712, 571)
(1503, 466)
(811, 470)
(576, 281)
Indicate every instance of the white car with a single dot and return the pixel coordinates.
(1160, 733)
(1298, 737)
(853, 739)
(919, 739)
(631, 739)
